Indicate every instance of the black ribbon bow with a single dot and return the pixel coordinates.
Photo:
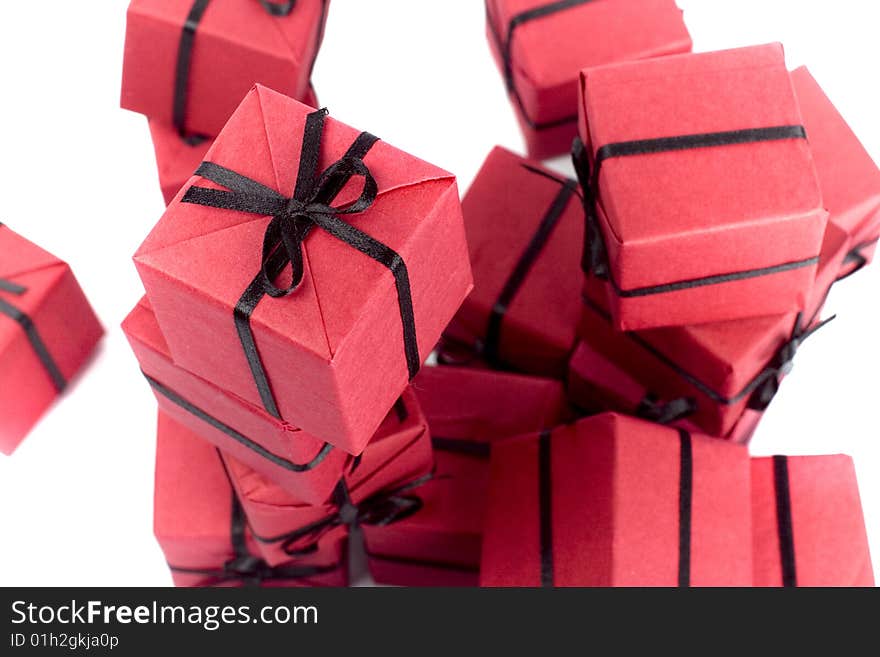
(293, 220)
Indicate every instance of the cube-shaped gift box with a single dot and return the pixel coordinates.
(305, 466)
(597, 384)
(360, 249)
(178, 156)
(849, 178)
(706, 208)
(807, 523)
(203, 532)
(375, 490)
(48, 330)
(188, 63)
(617, 501)
(724, 368)
(525, 230)
(540, 46)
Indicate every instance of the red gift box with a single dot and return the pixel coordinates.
(188, 63)
(177, 157)
(525, 230)
(482, 405)
(849, 178)
(364, 309)
(48, 331)
(807, 523)
(596, 384)
(305, 466)
(706, 208)
(725, 367)
(398, 455)
(616, 501)
(201, 528)
(540, 47)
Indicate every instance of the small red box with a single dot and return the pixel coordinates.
(525, 231)
(48, 331)
(724, 367)
(399, 453)
(849, 178)
(177, 157)
(188, 63)
(202, 531)
(708, 204)
(332, 356)
(305, 466)
(616, 501)
(807, 523)
(540, 46)
(596, 384)
(482, 405)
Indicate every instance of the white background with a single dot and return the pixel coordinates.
(77, 176)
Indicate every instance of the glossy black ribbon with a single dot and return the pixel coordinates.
(595, 260)
(761, 389)
(857, 259)
(245, 567)
(33, 335)
(685, 507)
(783, 520)
(505, 48)
(240, 438)
(292, 221)
(651, 408)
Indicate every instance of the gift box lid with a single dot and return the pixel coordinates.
(849, 178)
(613, 500)
(482, 405)
(807, 521)
(19, 256)
(652, 222)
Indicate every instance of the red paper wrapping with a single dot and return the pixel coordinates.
(400, 452)
(547, 53)
(482, 405)
(596, 384)
(245, 431)
(177, 158)
(615, 501)
(750, 213)
(849, 178)
(193, 518)
(41, 307)
(340, 331)
(807, 523)
(525, 230)
(720, 366)
(236, 45)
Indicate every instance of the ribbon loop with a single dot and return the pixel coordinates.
(278, 8)
(651, 409)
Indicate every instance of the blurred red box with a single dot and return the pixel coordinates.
(807, 523)
(725, 367)
(305, 466)
(616, 501)
(708, 205)
(284, 527)
(483, 405)
(199, 525)
(849, 178)
(541, 46)
(333, 355)
(188, 63)
(525, 231)
(48, 331)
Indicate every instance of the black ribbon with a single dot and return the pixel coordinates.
(857, 259)
(685, 507)
(651, 408)
(33, 335)
(505, 48)
(595, 260)
(240, 438)
(783, 520)
(545, 505)
(762, 388)
(292, 221)
(514, 282)
(459, 446)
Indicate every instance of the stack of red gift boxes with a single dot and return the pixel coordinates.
(607, 343)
